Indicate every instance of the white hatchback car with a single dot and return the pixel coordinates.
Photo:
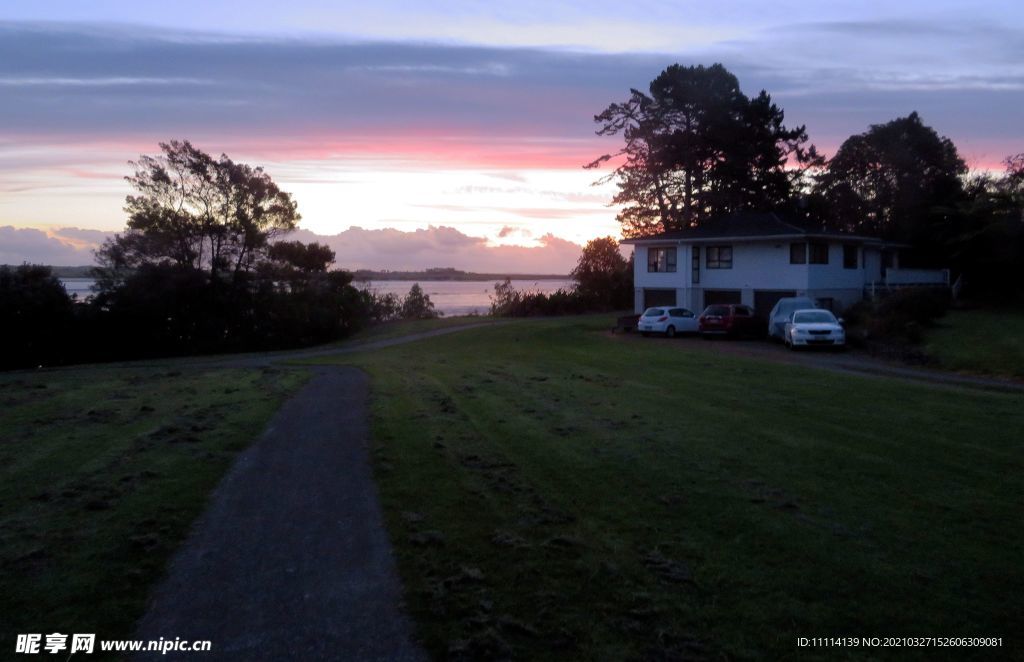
(814, 327)
(670, 321)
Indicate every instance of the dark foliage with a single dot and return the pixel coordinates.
(989, 247)
(510, 302)
(36, 316)
(417, 305)
(899, 181)
(192, 210)
(896, 320)
(196, 272)
(696, 148)
(604, 279)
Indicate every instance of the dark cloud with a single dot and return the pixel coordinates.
(67, 80)
(359, 248)
(117, 80)
(64, 247)
(356, 248)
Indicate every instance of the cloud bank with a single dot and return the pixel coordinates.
(314, 95)
(355, 248)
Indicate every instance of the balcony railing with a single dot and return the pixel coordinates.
(896, 279)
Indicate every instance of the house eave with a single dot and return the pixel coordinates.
(656, 241)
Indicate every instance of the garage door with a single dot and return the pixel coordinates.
(765, 300)
(659, 298)
(714, 297)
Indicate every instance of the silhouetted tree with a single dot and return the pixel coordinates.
(417, 305)
(989, 250)
(899, 180)
(36, 314)
(306, 258)
(603, 277)
(696, 147)
(195, 211)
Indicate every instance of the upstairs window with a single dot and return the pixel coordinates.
(817, 253)
(695, 264)
(798, 253)
(719, 257)
(661, 260)
(850, 257)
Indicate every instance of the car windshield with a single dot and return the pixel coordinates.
(721, 311)
(814, 317)
(654, 312)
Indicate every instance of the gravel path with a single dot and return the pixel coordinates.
(291, 560)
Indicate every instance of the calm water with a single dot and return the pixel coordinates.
(453, 297)
(449, 296)
(79, 286)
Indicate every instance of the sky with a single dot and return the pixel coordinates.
(449, 133)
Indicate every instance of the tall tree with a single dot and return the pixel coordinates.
(899, 180)
(193, 210)
(603, 277)
(696, 147)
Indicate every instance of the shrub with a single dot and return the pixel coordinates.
(417, 305)
(897, 319)
(37, 315)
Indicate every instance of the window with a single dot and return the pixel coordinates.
(798, 253)
(695, 264)
(849, 257)
(661, 259)
(817, 253)
(719, 257)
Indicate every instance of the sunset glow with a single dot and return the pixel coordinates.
(448, 117)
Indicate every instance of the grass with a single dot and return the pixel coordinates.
(104, 470)
(398, 328)
(980, 341)
(553, 491)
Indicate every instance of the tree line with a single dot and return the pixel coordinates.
(197, 270)
(695, 148)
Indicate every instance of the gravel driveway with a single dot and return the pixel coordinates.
(847, 361)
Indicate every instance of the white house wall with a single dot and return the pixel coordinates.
(760, 265)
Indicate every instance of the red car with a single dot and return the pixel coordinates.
(731, 320)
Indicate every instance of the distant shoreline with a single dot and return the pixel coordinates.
(85, 271)
(448, 274)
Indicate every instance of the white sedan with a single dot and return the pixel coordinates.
(670, 321)
(813, 327)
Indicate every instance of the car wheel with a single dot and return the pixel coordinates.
(670, 332)
(645, 334)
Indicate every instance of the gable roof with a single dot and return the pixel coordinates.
(748, 225)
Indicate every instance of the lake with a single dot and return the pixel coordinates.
(451, 297)
(460, 297)
(80, 286)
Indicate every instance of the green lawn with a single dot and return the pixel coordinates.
(981, 341)
(103, 472)
(399, 328)
(554, 491)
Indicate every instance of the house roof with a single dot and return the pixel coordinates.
(750, 226)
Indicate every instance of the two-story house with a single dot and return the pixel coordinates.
(758, 258)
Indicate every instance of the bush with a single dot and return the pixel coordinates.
(897, 319)
(36, 317)
(510, 302)
(417, 305)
